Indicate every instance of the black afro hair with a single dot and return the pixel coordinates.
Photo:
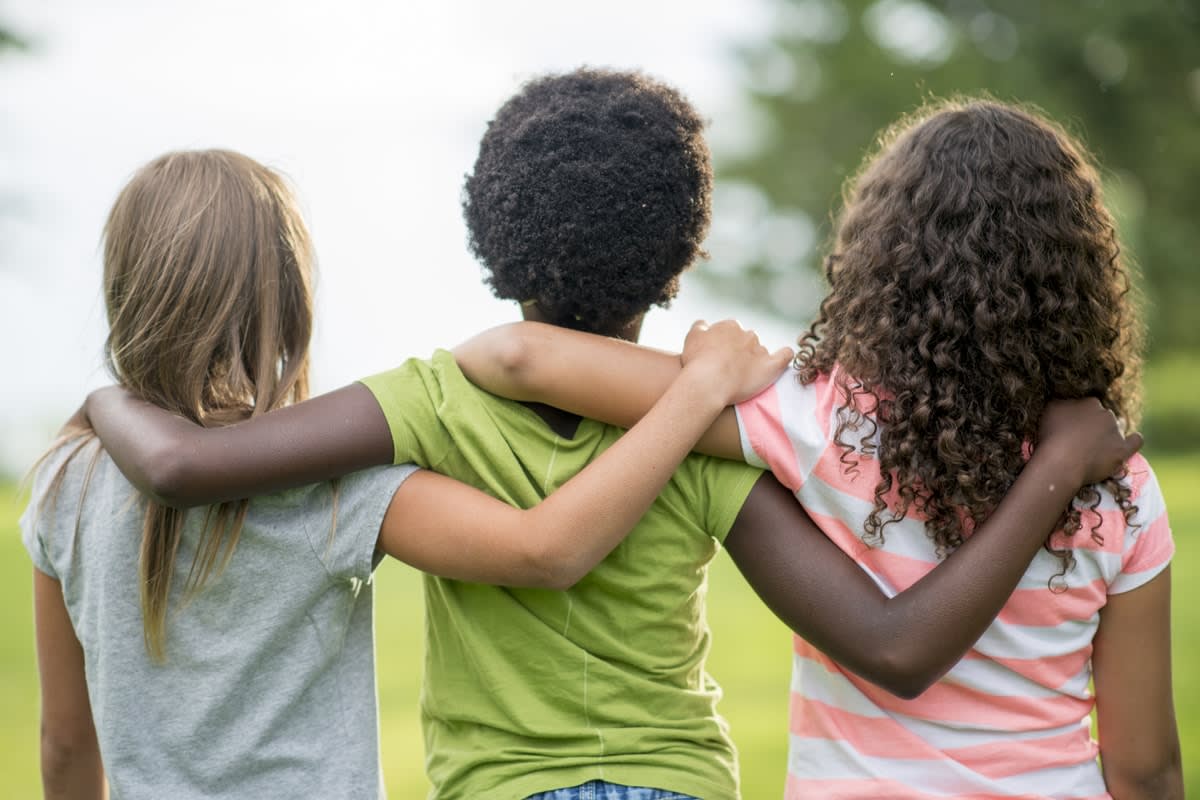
(591, 194)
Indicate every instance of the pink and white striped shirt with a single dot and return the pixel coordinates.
(1009, 720)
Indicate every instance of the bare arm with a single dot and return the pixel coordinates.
(906, 642)
(434, 523)
(71, 768)
(1131, 667)
(611, 380)
(181, 464)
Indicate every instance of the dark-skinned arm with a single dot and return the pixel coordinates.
(905, 643)
(179, 463)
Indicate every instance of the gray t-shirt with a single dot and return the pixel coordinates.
(268, 690)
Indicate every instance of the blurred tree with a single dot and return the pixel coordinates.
(1124, 76)
(9, 40)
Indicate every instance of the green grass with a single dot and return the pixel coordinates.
(751, 658)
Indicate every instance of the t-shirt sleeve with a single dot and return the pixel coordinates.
(410, 396)
(346, 544)
(31, 537)
(1148, 545)
(50, 512)
(726, 484)
(784, 428)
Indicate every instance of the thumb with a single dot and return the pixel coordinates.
(1133, 443)
(783, 357)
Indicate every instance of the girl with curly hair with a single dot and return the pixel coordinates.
(975, 277)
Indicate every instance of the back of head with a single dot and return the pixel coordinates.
(975, 276)
(590, 195)
(207, 286)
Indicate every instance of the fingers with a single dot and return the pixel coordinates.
(1133, 443)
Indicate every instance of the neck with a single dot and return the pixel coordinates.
(564, 423)
(630, 332)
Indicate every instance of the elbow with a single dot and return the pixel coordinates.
(63, 756)
(165, 476)
(1162, 780)
(505, 365)
(514, 354)
(902, 671)
(551, 567)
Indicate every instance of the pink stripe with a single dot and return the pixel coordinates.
(857, 478)
(1153, 547)
(1009, 757)
(840, 534)
(884, 737)
(877, 788)
(827, 396)
(1051, 671)
(1111, 530)
(763, 423)
(1041, 607)
(947, 702)
(1139, 472)
(881, 737)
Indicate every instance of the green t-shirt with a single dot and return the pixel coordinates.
(528, 690)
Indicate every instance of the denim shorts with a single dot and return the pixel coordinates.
(603, 790)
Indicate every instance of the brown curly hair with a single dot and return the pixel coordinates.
(975, 275)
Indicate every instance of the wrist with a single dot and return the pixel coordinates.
(706, 384)
(1062, 464)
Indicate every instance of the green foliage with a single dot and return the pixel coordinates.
(10, 40)
(1123, 76)
(1172, 386)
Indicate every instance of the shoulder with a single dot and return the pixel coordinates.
(415, 381)
(1142, 537)
(789, 425)
(74, 484)
(711, 490)
(66, 471)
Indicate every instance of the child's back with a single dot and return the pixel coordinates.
(268, 684)
(1012, 718)
(227, 652)
(974, 277)
(529, 690)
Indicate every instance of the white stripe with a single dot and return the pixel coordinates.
(1006, 640)
(748, 452)
(907, 538)
(826, 759)
(952, 735)
(995, 679)
(798, 412)
(811, 680)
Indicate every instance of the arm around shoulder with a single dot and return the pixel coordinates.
(181, 464)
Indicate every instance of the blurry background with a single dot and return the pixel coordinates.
(375, 109)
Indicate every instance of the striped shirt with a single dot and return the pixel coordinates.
(1009, 720)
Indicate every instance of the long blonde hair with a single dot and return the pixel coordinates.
(208, 290)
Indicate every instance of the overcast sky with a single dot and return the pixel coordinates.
(374, 109)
